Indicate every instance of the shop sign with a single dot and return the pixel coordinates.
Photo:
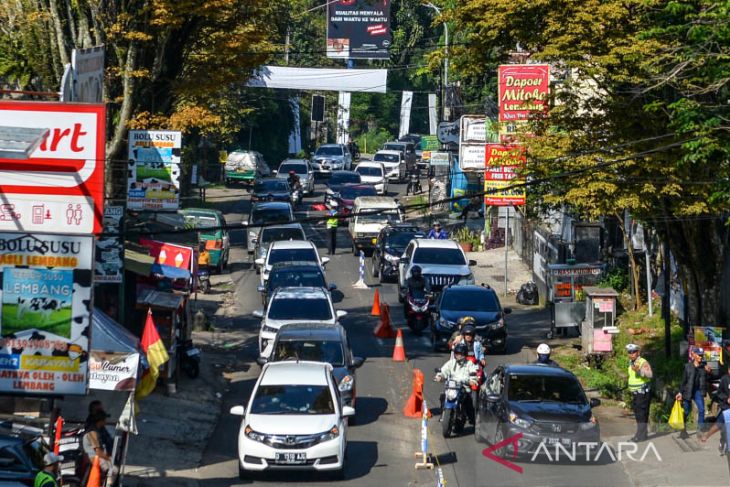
(154, 170)
(45, 313)
(523, 91)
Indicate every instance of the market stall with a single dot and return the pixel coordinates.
(565, 283)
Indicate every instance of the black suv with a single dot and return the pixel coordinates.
(293, 274)
(479, 302)
(389, 246)
(542, 403)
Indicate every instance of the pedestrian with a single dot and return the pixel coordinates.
(97, 408)
(93, 444)
(721, 424)
(639, 383)
(48, 477)
(332, 223)
(694, 388)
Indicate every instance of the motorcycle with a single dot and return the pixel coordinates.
(204, 279)
(455, 402)
(189, 356)
(296, 196)
(416, 309)
(414, 183)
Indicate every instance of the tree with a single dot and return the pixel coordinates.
(638, 121)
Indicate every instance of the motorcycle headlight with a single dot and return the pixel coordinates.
(345, 384)
(451, 394)
(446, 323)
(268, 329)
(330, 435)
(253, 435)
(517, 421)
(590, 424)
(391, 258)
(467, 280)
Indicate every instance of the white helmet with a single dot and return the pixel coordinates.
(543, 349)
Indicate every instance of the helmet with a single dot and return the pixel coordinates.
(416, 271)
(543, 349)
(468, 330)
(436, 224)
(461, 348)
(467, 320)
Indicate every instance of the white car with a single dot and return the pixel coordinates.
(293, 421)
(302, 168)
(395, 164)
(289, 231)
(373, 173)
(295, 305)
(288, 251)
(442, 263)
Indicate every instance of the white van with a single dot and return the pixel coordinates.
(370, 215)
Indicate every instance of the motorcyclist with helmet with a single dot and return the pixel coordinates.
(476, 348)
(543, 356)
(293, 180)
(417, 281)
(460, 369)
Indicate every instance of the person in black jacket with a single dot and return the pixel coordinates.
(694, 388)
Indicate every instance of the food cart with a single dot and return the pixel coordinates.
(565, 294)
(598, 328)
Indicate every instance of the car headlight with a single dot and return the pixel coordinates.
(330, 435)
(269, 329)
(517, 421)
(359, 235)
(345, 384)
(498, 324)
(392, 258)
(253, 435)
(446, 323)
(590, 424)
(467, 280)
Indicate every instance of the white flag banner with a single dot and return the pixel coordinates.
(343, 117)
(295, 137)
(432, 118)
(320, 79)
(405, 113)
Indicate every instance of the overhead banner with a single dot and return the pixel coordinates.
(472, 139)
(320, 79)
(88, 73)
(358, 29)
(502, 164)
(60, 187)
(523, 91)
(45, 316)
(405, 113)
(109, 249)
(154, 170)
(343, 117)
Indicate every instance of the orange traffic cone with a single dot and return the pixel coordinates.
(414, 405)
(384, 330)
(94, 474)
(399, 352)
(375, 311)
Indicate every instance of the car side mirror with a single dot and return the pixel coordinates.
(325, 260)
(261, 289)
(595, 402)
(260, 261)
(259, 313)
(261, 360)
(244, 224)
(348, 411)
(340, 313)
(357, 362)
(507, 311)
(492, 397)
(238, 411)
(472, 263)
(332, 286)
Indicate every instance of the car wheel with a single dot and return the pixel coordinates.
(242, 474)
(374, 269)
(354, 249)
(499, 438)
(400, 296)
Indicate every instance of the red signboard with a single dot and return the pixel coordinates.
(169, 254)
(523, 91)
(500, 175)
(60, 187)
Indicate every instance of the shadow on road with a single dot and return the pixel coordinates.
(369, 409)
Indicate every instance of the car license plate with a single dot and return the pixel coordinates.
(291, 458)
(555, 441)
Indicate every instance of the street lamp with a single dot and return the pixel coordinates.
(446, 56)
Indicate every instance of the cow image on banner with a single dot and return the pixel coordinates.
(154, 170)
(500, 174)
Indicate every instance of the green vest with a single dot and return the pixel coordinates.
(332, 222)
(637, 382)
(45, 479)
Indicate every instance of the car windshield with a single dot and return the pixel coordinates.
(399, 240)
(289, 255)
(315, 350)
(350, 193)
(463, 300)
(287, 278)
(369, 171)
(387, 217)
(293, 399)
(269, 235)
(386, 158)
(270, 215)
(296, 308)
(329, 151)
(439, 256)
(545, 388)
(271, 185)
(201, 221)
(397, 147)
(345, 178)
(297, 168)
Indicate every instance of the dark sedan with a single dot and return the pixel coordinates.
(389, 246)
(271, 190)
(480, 302)
(339, 180)
(344, 200)
(546, 405)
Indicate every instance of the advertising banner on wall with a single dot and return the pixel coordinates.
(45, 313)
(472, 138)
(502, 164)
(110, 371)
(154, 170)
(523, 91)
(60, 187)
(358, 29)
(109, 249)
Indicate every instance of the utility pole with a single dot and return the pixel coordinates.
(666, 313)
(445, 79)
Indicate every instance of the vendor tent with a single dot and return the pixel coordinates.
(114, 355)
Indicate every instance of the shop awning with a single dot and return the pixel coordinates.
(138, 262)
(170, 272)
(159, 299)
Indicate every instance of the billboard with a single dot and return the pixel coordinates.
(523, 91)
(60, 187)
(472, 138)
(45, 313)
(109, 249)
(502, 164)
(358, 29)
(110, 371)
(154, 170)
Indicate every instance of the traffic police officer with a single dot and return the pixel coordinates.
(332, 223)
(639, 383)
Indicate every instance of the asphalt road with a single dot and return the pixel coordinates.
(382, 443)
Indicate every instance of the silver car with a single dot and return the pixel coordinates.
(290, 231)
(331, 157)
(265, 213)
(302, 168)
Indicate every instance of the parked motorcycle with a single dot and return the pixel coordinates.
(416, 310)
(203, 276)
(189, 356)
(455, 401)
